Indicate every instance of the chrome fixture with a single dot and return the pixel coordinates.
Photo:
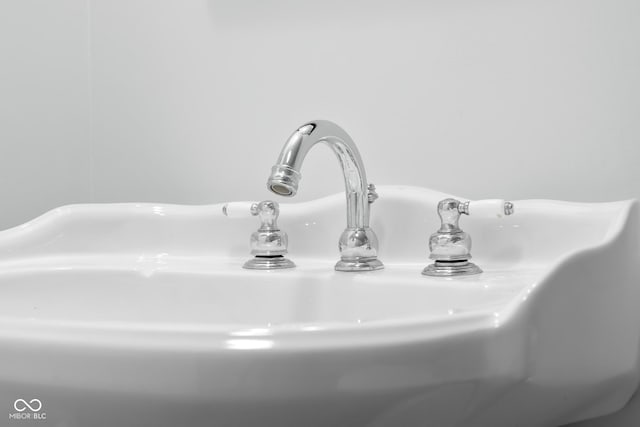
(450, 246)
(358, 244)
(269, 243)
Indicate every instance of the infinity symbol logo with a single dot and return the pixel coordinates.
(21, 405)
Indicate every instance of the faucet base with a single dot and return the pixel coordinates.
(268, 263)
(362, 264)
(451, 268)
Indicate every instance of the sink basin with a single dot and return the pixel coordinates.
(140, 314)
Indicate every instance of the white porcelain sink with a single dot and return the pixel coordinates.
(140, 314)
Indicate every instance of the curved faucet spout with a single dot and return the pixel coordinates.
(286, 175)
(358, 244)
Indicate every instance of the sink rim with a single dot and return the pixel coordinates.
(228, 336)
(372, 333)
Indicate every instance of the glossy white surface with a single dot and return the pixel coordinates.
(218, 299)
(146, 307)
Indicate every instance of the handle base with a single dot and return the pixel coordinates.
(268, 263)
(451, 268)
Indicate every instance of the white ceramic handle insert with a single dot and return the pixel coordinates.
(490, 208)
(237, 209)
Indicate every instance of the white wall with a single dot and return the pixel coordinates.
(193, 100)
(45, 149)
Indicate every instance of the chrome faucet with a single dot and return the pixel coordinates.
(269, 243)
(358, 244)
(450, 246)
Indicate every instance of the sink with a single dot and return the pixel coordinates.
(140, 314)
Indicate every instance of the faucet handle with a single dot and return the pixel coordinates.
(372, 194)
(268, 212)
(268, 244)
(237, 209)
(489, 208)
(450, 246)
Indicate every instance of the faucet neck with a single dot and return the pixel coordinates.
(298, 145)
(358, 244)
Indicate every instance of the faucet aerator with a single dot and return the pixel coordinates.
(281, 189)
(283, 181)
